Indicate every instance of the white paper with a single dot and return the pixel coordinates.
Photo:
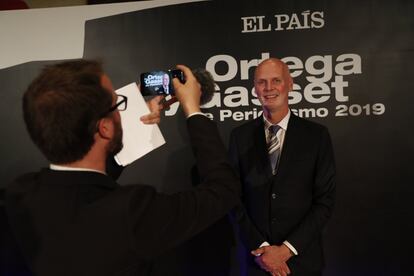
(138, 138)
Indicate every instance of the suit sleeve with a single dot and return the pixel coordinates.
(251, 237)
(310, 228)
(160, 221)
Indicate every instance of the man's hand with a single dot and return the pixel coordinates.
(188, 93)
(273, 259)
(155, 107)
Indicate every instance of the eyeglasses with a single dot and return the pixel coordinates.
(121, 105)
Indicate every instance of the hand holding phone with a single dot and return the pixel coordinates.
(189, 93)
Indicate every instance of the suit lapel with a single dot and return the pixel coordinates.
(292, 137)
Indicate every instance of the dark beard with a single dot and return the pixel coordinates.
(115, 146)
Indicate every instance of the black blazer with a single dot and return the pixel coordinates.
(84, 223)
(294, 204)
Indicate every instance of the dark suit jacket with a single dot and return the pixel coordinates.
(84, 223)
(294, 204)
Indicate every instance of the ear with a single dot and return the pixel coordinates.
(106, 128)
(290, 83)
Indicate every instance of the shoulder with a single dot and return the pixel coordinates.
(306, 125)
(137, 193)
(138, 189)
(18, 191)
(22, 183)
(248, 127)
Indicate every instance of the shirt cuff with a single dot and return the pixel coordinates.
(196, 113)
(290, 247)
(264, 244)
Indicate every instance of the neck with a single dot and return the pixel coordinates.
(87, 164)
(94, 160)
(275, 117)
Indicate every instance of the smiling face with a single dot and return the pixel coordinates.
(165, 80)
(272, 83)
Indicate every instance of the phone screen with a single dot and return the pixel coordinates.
(159, 82)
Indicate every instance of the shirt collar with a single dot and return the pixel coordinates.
(283, 123)
(55, 167)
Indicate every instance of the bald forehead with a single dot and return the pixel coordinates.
(273, 64)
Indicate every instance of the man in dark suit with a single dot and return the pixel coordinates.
(286, 166)
(73, 218)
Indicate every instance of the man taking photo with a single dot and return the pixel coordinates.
(73, 218)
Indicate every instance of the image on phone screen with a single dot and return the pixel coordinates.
(159, 82)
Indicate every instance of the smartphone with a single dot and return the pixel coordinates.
(160, 82)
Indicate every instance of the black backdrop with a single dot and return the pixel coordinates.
(350, 60)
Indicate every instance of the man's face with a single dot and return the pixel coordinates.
(272, 84)
(165, 80)
(115, 145)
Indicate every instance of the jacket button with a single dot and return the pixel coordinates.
(273, 220)
(274, 196)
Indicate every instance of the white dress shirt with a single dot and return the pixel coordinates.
(283, 124)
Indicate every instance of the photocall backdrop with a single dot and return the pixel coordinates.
(351, 63)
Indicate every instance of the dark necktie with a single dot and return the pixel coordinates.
(273, 147)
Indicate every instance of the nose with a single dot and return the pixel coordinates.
(268, 86)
